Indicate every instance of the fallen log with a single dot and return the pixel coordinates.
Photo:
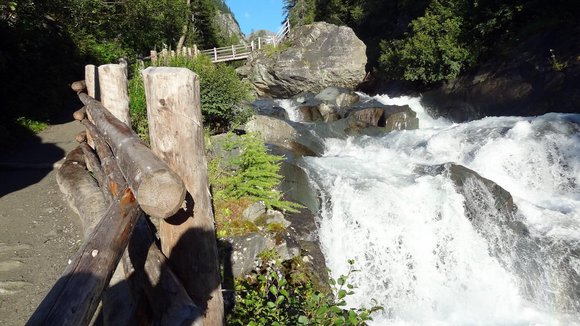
(159, 191)
(81, 190)
(75, 297)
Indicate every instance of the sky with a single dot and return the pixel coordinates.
(257, 14)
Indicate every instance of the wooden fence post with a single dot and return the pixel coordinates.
(176, 132)
(91, 81)
(114, 93)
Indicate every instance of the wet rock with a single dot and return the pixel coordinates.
(269, 107)
(338, 96)
(309, 112)
(285, 134)
(245, 251)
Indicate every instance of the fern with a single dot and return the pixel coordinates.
(256, 175)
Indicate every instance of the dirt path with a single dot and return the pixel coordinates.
(38, 231)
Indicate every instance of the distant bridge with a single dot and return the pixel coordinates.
(242, 51)
(229, 53)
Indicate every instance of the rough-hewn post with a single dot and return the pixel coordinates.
(114, 93)
(176, 132)
(91, 81)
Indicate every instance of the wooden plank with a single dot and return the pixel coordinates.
(158, 189)
(113, 86)
(81, 190)
(75, 297)
(176, 132)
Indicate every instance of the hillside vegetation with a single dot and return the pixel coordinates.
(45, 44)
(428, 41)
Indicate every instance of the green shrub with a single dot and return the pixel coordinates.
(222, 92)
(254, 174)
(35, 126)
(138, 105)
(433, 50)
(278, 294)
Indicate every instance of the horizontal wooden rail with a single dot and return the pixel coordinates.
(75, 297)
(159, 191)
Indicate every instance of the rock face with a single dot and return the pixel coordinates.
(228, 25)
(320, 54)
(530, 83)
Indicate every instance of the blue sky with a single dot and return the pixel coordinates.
(257, 14)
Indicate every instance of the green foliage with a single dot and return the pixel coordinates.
(138, 104)
(300, 12)
(557, 65)
(222, 92)
(280, 294)
(33, 125)
(254, 175)
(270, 50)
(433, 50)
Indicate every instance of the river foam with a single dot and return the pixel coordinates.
(417, 252)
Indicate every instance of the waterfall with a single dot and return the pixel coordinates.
(430, 254)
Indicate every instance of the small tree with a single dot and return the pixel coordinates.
(433, 50)
(256, 175)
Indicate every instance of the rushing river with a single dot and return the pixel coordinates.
(418, 253)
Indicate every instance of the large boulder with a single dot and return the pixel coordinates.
(320, 54)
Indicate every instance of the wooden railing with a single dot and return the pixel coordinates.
(227, 53)
(177, 283)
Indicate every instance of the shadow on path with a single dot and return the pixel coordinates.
(32, 160)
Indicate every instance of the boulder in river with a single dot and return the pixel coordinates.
(319, 54)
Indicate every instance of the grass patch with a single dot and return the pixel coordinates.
(34, 126)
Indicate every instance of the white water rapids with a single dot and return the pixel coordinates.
(418, 254)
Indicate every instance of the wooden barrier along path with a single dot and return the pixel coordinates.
(116, 184)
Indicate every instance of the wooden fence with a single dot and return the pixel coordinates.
(226, 53)
(174, 280)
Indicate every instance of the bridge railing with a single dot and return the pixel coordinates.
(227, 53)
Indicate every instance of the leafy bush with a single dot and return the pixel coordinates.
(222, 92)
(138, 104)
(254, 174)
(278, 294)
(433, 50)
(34, 126)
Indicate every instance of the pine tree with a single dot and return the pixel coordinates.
(257, 175)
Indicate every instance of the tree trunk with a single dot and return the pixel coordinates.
(176, 133)
(185, 27)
